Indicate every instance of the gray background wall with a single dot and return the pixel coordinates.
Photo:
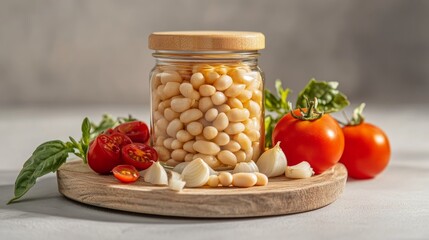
(62, 52)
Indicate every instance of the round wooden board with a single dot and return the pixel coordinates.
(281, 196)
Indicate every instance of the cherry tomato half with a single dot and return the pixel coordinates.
(319, 142)
(366, 152)
(103, 154)
(139, 155)
(120, 139)
(137, 131)
(126, 173)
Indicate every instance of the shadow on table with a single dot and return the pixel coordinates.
(45, 199)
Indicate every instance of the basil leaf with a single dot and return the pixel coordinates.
(283, 94)
(86, 131)
(106, 122)
(47, 158)
(329, 98)
(269, 127)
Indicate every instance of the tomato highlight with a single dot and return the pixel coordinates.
(139, 155)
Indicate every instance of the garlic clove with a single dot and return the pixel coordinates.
(156, 175)
(196, 173)
(176, 182)
(246, 167)
(301, 170)
(272, 162)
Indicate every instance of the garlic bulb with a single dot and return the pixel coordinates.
(176, 182)
(248, 167)
(196, 173)
(272, 162)
(156, 175)
(301, 170)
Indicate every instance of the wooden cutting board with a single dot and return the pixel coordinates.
(281, 196)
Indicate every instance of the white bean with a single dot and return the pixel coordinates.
(197, 80)
(221, 139)
(207, 90)
(162, 123)
(210, 132)
(173, 127)
(254, 109)
(176, 144)
(181, 104)
(245, 95)
(222, 69)
(225, 179)
(171, 89)
(160, 141)
(221, 122)
(213, 181)
(253, 135)
(167, 142)
(169, 114)
(223, 108)
(172, 162)
(194, 128)
(187, 90)
(163, 153)
(183, 136)
(223, 82)
(232, 146)
(256, 150)
(244, 141)
(206, 147)
(190, 115)
(205, 104)
(211, 77)
(188, 146)
(227, 158)
(160, 91)
(249, 155)
(189, 157)
(238, 115)
(209, 159)
(234, 90)
(234, 103)
(244, 179)
(241, 156)
(234, 128)
(157, 115)
(211, 114)
(262, 179)
(257, 96)
(218, 98)
(170, 76)
(178, 155)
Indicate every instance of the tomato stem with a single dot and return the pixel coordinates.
(311, 113)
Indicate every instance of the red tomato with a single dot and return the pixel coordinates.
(137, 131)
(319, 142)
(126, 173)
(139, 155)
(120, 139)
(103, 154)
(366, 152)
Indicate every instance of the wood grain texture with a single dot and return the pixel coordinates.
(281, 196)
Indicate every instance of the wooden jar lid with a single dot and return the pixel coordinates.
(207, 41)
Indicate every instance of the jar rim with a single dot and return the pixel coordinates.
(207, 41)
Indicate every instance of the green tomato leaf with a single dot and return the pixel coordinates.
(283, 94)
(329, 98)
(47, 158)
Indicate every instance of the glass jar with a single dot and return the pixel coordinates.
(207, 97)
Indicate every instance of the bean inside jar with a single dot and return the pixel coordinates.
(207, 106)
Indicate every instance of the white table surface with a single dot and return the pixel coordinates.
(395, 205)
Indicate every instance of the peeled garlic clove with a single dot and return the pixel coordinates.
(156, 175)
(248, 167)
(196, 173)
(179, 167)
(301, 170)
(272, 162)
(176, 182)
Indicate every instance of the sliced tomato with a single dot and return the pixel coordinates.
(120, 139)
(126, 173)
(137, 131)
(103, 154)
(139, 155)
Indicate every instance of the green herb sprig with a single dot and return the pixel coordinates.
(49, 156)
